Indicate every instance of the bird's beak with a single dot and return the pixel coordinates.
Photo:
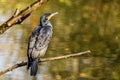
(50, 16)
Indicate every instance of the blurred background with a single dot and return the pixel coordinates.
(81, 25)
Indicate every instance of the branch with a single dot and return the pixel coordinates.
(19, 16)
(43, 60)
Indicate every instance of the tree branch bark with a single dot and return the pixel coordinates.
(23, 63)
(19, 16)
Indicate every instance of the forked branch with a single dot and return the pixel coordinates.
(19, 16)
(43, 60)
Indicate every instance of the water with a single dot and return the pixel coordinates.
(81, 25)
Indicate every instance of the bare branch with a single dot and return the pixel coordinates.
(19, 16)
(43, 60)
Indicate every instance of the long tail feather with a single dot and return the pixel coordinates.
(34, 67)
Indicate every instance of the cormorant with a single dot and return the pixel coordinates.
(38, 42)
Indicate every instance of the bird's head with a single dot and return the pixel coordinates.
(44, 19)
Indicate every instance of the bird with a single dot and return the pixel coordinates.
(38, 42)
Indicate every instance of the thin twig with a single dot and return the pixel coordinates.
(43, 60)
(19, 16)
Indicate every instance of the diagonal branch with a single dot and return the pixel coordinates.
(43, 60)
(19, 16)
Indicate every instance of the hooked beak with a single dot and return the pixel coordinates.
(50, 16)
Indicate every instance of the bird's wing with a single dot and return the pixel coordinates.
(44, 37)
(39, 39)
(33, 37)
(32, 41)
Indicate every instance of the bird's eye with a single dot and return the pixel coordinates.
(44, 20)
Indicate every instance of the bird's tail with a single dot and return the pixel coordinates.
(34, 67)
